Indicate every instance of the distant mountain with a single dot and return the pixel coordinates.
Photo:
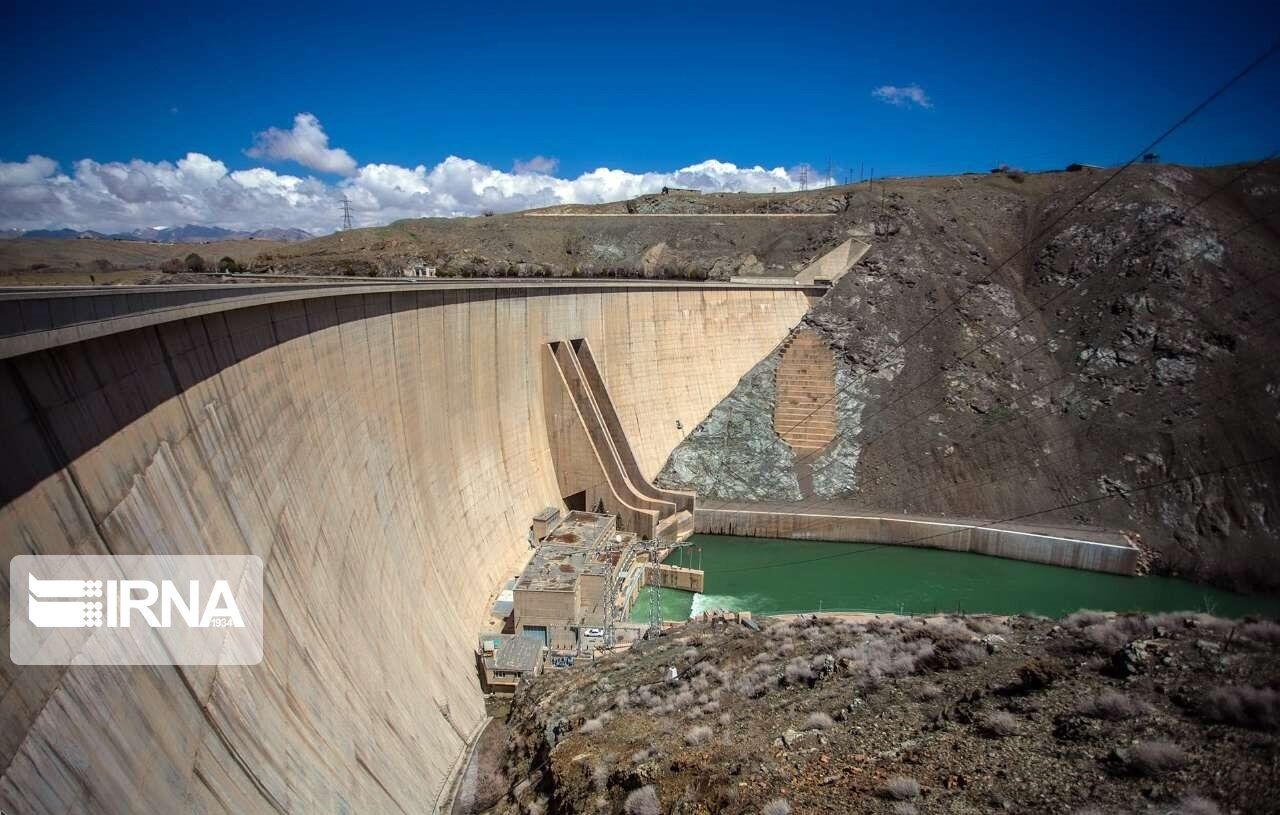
(61, 233)
(190, 233)
(281, 234)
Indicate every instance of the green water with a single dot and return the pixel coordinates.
(769, 576)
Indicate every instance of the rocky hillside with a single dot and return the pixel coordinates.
(593, 241)
(1134, 714)
(1134, 344)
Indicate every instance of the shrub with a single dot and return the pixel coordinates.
(1083, 619)
(928, 692)
(984, 625)
(593, 726)
(1114, 707)
(946, 632)
(798, 671)
(725, 719)
(902, 788)
(643, 801)
(173, 266)
(967, 655)
(777, 806)
(1196, 805)
(697, 735)
(1105, 637)
(228, 265)
(1257, 708)
(1262, 631)
(1037, 673)
(999, 724)
(818, 721)
(599, 776)
(1154, 757)
(195, 263)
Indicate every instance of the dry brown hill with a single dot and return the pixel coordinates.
(43, 261)
(1133, 344)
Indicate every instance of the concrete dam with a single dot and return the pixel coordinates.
(382, 448)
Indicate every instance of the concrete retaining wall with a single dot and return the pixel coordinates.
(1095, 550)
(382, 449)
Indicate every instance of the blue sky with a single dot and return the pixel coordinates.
(648, 87)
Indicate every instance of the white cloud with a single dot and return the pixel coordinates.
(306, 143)
(537, 164)
(32, 171)
(904, 96)
(122, 196)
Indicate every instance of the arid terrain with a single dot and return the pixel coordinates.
(1091, 714)
(1000, 351)
(1129, 346)
(84, 261)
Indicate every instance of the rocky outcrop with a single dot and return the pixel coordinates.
(1130, 346)
(734, 452)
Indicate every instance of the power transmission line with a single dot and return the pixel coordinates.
(1038, 309)
(1045, 230)
(1253, 222)
(906, 463)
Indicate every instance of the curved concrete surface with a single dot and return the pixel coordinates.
(381, 447)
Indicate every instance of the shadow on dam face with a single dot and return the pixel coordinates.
(382, 452)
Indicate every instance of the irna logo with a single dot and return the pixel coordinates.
(73, 604)
(135, 610)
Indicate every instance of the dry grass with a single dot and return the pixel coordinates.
(1114, 707)
(901, 788)
(928, 692)
(1196, 805)
(818, 721)
(1262, 631)
(1256, 708)
(999, 724)
(643, 801)
(1151, 758)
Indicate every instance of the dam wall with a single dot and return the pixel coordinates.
(1075, 547)
(382, 447)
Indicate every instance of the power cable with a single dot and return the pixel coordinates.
(1251, 282)
(1045, 230)
(1040, 308)
(1254, 221)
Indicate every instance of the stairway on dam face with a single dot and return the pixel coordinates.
(805, 413)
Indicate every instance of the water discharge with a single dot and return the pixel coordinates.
(767, 576)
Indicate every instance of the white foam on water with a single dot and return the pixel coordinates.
(724, 602)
